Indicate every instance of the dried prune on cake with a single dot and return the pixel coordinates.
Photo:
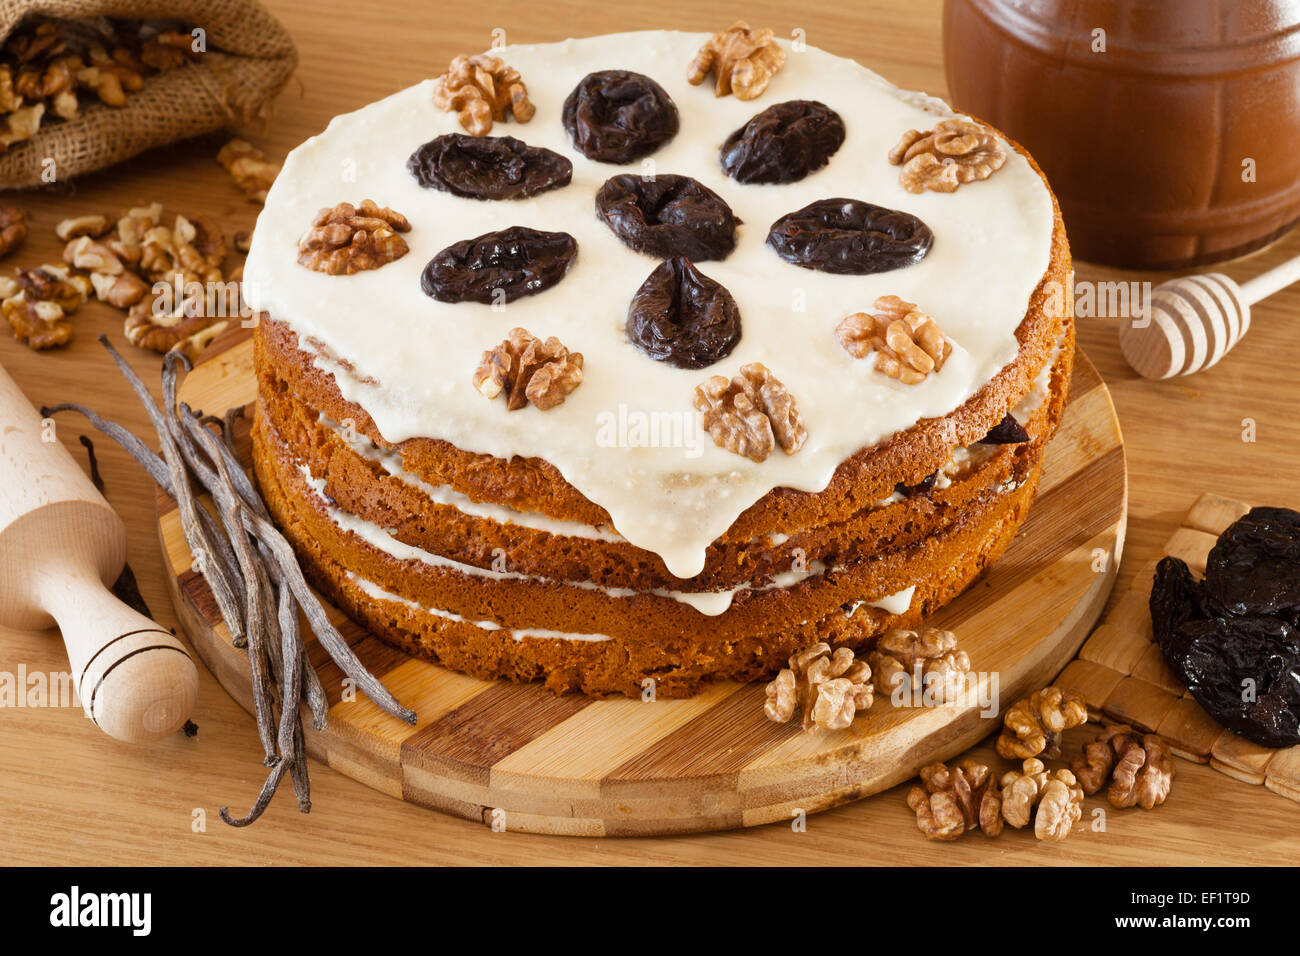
(668, 216)
(488, 167)
(499, 266)
(1254, 568)
(682, 317)
(617, 116)
(783, 143)
(921, 488)
(850, 237)
(1006, 432)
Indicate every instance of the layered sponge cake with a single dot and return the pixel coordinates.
(654, 511)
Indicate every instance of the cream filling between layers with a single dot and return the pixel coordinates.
(710, 603)
(413, 357)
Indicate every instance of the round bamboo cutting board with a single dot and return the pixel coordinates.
(517, 757)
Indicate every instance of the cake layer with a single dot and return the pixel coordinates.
(374, 484)
(512, 599)
(584, 639)
(407, 359)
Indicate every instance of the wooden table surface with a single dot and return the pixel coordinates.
(70, 795)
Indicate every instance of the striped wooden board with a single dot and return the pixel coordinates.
(518, 757)
(1122, 674)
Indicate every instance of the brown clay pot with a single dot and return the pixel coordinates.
(1152, 142)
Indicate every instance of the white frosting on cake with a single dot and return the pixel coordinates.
(413, 356)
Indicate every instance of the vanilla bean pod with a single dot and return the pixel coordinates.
(195, 533)
(239, 480)
(291, 738)
(263, 798)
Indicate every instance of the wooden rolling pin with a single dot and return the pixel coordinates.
(61, 547)
(1196, 320)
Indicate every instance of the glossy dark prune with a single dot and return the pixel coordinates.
(668, 216)
(784, 143)
(850, 237)
(616, 116)
(682, 317)
(1006, 432)
(488, 167)
(499, 266)
(1244, 669)
(1254, 568)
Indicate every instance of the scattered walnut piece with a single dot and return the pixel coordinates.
(38, 324)
(1032, 726)
(78, 226)
(930, 660)
(956, 151)
(1138, 767)
(187, 327)
(346, 239)
(826, 688)
(751, 414)
(95, 257)
(907, 344)
(480, 89)
(1053, 800)
(243, 240)
(13, 229)
(249, 167)
(743, 61)
(952, 801)
(529, 370)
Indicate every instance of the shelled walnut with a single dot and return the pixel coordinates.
(1053, 800)
(249, 167)
(480, 90)
(1032, 726)
(907, 344)
(751, 414)
(346, 239)
(529, 370)
(955, 152)
(743, 61)
(827, 689)
(37, 303)
(13, 229)
(951, 801)
(930, 660)
(1138, 767)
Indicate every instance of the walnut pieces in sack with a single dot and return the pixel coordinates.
(346, 239)
(529, 370)
(951, 801)
(751, 414)
(907, 344)
(930, 660)
(1138, 767)
(743, 61)
(480, 89)
(1032, 726)
(826, 688)
(956, 151)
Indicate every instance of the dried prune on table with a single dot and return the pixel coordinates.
(784, 143)
(488, 167)
(1255, 566)
(499, 266)
(682, 317)
(850, 237)
(1244, 669)
(617, 116)
(1006, 432)
(668, 216)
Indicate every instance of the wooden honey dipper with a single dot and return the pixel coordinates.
(61, 547)
(1196, 320)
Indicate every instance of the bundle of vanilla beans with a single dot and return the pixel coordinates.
(251, 569)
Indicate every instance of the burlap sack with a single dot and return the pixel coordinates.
(249, 58)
